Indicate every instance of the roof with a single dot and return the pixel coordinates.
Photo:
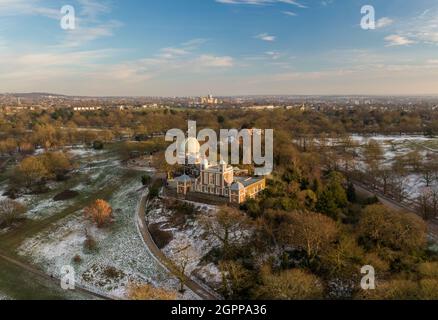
(237, 186)
(248, 181)
(183, 179)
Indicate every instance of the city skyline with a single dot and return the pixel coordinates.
(226, 47)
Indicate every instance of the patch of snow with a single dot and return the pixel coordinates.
(194, 241)
(4, 297)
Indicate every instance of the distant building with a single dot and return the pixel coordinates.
(86, 108)
(220, 181)
(267, 107)
(209, 100)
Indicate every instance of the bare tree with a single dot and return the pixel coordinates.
(182, 262)
(10, 211)
(229, 226)
(428, 201)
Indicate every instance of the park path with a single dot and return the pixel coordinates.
(197, 288)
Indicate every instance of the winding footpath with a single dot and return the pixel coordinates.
(194, 286)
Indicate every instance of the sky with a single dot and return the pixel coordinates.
(219, 47)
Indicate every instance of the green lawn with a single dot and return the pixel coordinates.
(20, 285)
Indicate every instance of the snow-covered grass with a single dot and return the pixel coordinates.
(190, 242)
(398, 146)
(96, 170)
(3, 188)
(394, 147)
(4, 297)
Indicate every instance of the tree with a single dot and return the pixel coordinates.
(380, 226)
(148, 292)
(334, 197)
(58, 164)
(414, 160)
(236, 280)
(100, 212)
(10, 211)
(373, 153)
(8, 146)
(292, 284)
(182, 261)
(31, 171)
(428, 201)
(311, 232)
(428, 270)
(343, 258)
(229, 226)
(425, 289)
(393, 290)
(429, 170)
(44, 136)
(348, 151)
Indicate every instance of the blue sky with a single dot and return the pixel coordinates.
(223, 47)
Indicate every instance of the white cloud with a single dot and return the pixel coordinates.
(422, 29)
(262, 2)
(326, 3)
(266, 37)
(384, 22)
(27, 7)
(89, 24)
(274, 55)
(84, 32)
(290, 13)
(211, 61)
(76, 70)
(398, 40)
(92, 8)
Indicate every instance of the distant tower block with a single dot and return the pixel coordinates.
(209, 100)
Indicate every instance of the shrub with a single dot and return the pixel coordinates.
(148, 292)
(292, 284)
(98, 145)
(100, 212)
(77, 259)
(10, 211)
(90, 244)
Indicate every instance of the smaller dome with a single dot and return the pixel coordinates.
(237, 186)
(205, 163)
